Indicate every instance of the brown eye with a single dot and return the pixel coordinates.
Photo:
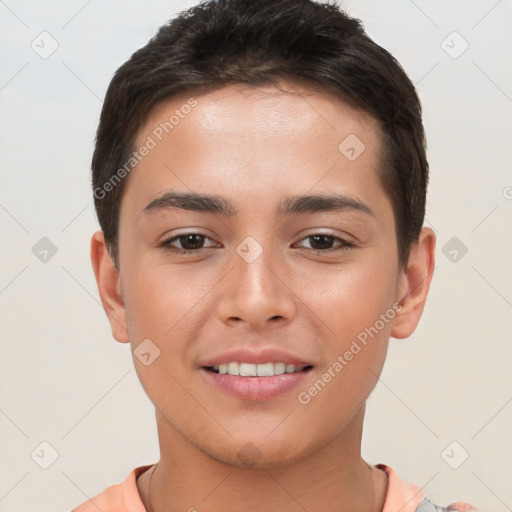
(188, 243)
(322, 242)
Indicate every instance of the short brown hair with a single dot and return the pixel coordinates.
(257, 42)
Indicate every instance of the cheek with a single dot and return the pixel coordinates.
(168, 307)
(356, 311)
(163, 300)
(162, 307)
(351, 300)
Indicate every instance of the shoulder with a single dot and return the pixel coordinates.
(408, 497)
(427, 506)
(121, 496)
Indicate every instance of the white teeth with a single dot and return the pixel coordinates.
(265, 370)
(256, 370)
(279, 368)
(248, 370)
(290, 368)
(233, 368)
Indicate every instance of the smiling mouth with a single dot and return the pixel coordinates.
(256, 370)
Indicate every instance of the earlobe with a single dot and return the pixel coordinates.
(109, 287)
(414, 285)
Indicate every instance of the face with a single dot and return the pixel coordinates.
(256, 231)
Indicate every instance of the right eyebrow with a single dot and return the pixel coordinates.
(191, 201)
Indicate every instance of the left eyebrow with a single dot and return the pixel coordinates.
(322, 203)
(223, 206)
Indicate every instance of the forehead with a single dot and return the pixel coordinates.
(286, 106)
(257, 140)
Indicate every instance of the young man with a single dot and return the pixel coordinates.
(260, 178)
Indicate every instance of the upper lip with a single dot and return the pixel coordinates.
(262, 356)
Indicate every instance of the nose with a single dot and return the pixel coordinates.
(257, 293)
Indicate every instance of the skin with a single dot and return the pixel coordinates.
(246, 145)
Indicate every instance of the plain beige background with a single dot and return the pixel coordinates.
(445, 393)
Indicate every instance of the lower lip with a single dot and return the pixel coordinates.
(255, 388)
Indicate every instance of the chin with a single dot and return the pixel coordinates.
(249, 456)
(258, 452)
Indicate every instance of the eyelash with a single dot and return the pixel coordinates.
(343, 246)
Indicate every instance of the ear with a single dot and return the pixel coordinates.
(414, 283)
(109, 287)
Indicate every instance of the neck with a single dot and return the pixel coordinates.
(334, 477)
